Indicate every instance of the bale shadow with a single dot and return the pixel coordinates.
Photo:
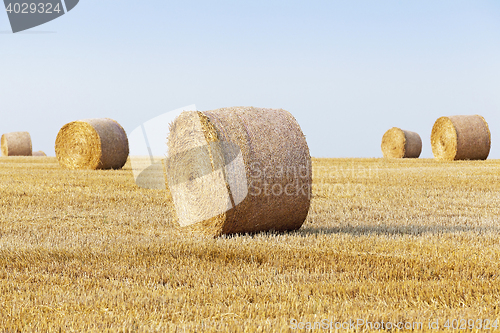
(389, 230)
(379, 230)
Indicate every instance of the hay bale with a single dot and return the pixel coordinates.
(16, 144)
(238, 170)
(461, 138)
(398, 143)
(39, 154)
(92, 144)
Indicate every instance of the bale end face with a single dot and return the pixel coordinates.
(5, 148)
(78, 146)
(444, 139)
(393, 143)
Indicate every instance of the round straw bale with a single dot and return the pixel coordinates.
(39, 154)
(398, 143)
(238, 170)
(16, 144)
(92, 144)
(461, 138)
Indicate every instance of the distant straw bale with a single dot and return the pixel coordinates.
(16, 144)
(398, 143)
(39, 154)
(461, 138)
(238, 170)
(92, 144)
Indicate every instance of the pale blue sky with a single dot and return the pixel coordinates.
(347, 70)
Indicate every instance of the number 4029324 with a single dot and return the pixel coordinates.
(32, 8)
(463, 324)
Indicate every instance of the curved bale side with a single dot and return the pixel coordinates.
(39, 154)
(16, 144)
(461, 138)
(238, 170)
(398, 143)
(99, 143)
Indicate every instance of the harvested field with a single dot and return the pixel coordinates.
(385, 240)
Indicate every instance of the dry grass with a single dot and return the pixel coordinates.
(406, 240)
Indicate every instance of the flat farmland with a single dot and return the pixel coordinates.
(386, 241)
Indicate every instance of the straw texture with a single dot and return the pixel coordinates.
(398, 143)
(92, 144)
(461, 138)
(276, 170)
(39, 153)
(16, 144)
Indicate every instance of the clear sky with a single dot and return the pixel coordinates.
(347, 70)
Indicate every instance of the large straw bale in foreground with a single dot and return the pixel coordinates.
(398, 143)
(92, 144)
(16, 144)
(461, 138)
(238, 170)
(39, 154)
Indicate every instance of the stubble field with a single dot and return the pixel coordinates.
(413, 241)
